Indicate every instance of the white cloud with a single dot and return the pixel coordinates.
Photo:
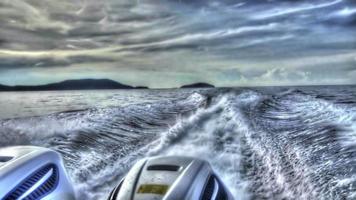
(294, 9)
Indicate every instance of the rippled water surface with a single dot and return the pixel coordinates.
(265, 143)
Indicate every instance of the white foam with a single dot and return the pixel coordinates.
(213, 134)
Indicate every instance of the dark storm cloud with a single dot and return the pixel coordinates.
(215, 41)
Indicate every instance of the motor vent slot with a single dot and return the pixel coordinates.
(163, 168)
(209, 189)
(4, 159)
(47, 176)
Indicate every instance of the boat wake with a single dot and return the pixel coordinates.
(285, 144)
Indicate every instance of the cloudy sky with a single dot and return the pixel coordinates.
(167, 43)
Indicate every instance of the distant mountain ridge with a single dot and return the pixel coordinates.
(86, 84)
(80, 84)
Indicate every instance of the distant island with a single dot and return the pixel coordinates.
(198, 85)
(86, 84)
(81, 84)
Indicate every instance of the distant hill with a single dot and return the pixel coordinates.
(198, 85)
(4, 88)
(86, 84)
(81, 84)
(142, 87)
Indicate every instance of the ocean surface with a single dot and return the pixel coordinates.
(265, 143)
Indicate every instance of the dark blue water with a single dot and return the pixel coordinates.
(265, 143)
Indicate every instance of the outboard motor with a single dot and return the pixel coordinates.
(171, 178)
(31, 173)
